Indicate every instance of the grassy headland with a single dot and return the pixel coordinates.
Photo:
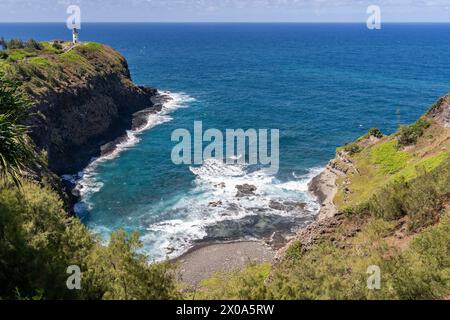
(64, 89)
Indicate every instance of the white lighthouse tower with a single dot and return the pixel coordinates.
(75, 35)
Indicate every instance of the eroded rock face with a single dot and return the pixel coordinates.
(440, 111)
(77, 117)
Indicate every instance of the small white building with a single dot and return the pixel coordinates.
(75, 35)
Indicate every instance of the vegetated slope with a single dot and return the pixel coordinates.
(393, 212)
(83, 98)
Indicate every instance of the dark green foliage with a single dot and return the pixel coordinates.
(119, 272)
(352, 148)
(57, 46)
(33, 45)
(422, 272)
(408, 135)
(374, 132)
(14, 44)
(295, 250)
(3, 43)
(38, 241)
(420, 199)
(360, 210)
(3, 55)
(16, 153)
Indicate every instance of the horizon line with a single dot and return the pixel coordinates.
(237, 22)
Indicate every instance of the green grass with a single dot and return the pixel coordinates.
(92, 46)
(14, 56)
(412, 170)
(72, 56)
(48, 48)
(74, 59)
(39, 61)
(388, 158)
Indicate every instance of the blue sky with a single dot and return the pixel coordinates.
(226, 10)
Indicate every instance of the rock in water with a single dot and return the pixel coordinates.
(245, 190)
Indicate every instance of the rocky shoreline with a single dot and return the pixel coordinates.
(139, 122)
(324, 188)
(209, 257)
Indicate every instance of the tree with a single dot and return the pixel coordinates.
(14, 44)
(119, 272)
(3, 43)
(33, 45)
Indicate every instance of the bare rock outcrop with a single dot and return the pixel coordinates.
(440, 112)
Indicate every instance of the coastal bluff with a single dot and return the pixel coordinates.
(83, 97)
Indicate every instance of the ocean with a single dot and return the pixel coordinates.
(321, 85)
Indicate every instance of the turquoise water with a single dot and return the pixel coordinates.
(321, 84)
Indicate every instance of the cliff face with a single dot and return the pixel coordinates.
(83, 98)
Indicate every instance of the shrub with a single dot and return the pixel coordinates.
(16, 152)
(57, 46)
(352, 148)
(423, 271)
(420, 198)
(244, 284)
(295, 250)
(374, 132)
(408, 135)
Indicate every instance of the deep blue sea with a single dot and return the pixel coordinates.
(321, 85)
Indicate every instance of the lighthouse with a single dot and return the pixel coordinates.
(75, 35)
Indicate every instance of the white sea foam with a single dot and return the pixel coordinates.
(87, 182)
(214, 199)
(174, 101)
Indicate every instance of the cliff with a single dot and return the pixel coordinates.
(82, 95)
